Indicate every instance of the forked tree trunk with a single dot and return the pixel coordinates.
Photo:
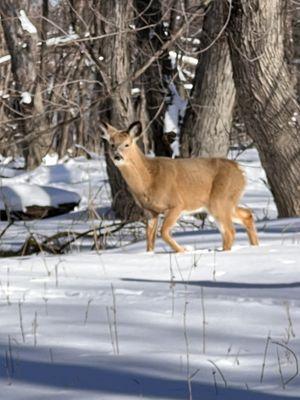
(28, 108)
(259, 37)
(117, 66)
(208, 119)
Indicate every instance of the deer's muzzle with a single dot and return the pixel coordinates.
(118, 157)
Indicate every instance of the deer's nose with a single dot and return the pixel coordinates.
(117, 157)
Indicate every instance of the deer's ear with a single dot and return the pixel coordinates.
(135, 130)
(105, 130)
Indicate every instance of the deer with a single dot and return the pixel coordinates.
(173, 187)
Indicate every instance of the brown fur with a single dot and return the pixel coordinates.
(172, 186)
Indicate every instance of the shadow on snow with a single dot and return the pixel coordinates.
(220, 284)
(117, 381)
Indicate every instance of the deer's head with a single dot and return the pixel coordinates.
(121, 143)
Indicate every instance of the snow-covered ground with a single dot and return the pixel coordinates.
(124, 324)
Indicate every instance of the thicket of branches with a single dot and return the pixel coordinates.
(67, 64)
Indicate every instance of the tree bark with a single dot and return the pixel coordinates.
(22, 46)
(296, 37)
(209, 115)
(117, 66)
(260, 40)
(150, 38)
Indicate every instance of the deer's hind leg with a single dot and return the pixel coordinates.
(227, 230)
(152, 224)
(244, 216)
(223, 218)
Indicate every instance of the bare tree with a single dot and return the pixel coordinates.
(208, 119)
(117, 67)
(21, 39)
(151, 35)
(68, 65)
(260, 45)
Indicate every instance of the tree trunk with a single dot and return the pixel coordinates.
(296, 37)
(150, 37)
(208, 119)
(117, 67)
(260, 40)
(21, 41)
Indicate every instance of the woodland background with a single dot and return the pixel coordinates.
(83, 306)
(201, 76)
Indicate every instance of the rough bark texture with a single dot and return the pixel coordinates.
(296, 37)
(260, 33)
(23, 49)
(154, 81)
(208, 118)
(117, 66)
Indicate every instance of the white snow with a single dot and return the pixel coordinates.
(6, 172)
(123, 324)
(173, 116)
(188, 86)
(27, 25)
(189, 60)
(87, 178)
(61, 39)
(194, 41)
(5, 58)
(184, 59)
(17, 197)
(54, 41)
(50, 159)
(26, 98)
(135, 91)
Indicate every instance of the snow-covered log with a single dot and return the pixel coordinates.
(23, 201)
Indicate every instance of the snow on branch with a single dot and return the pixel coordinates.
(185, 59)
(61, 39)
(5, 58)
(26, 98)
(57, 40)
(26, 24)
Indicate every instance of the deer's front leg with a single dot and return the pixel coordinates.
(151, 232)
(171, 216)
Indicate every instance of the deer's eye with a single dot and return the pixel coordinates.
(126, 145)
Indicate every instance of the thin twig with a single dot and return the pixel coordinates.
(189, 381)
(114, 309)
(6, 228)
(110, 330)
(279, 368)
(172, 284)
(291, 330)
(215, 381)
(87, 311)
(265, 356)
(21, 321)
(220, 372)
(295, 358)
(203, 322)
(34, 329)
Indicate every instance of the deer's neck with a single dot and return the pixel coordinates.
(137, 172)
